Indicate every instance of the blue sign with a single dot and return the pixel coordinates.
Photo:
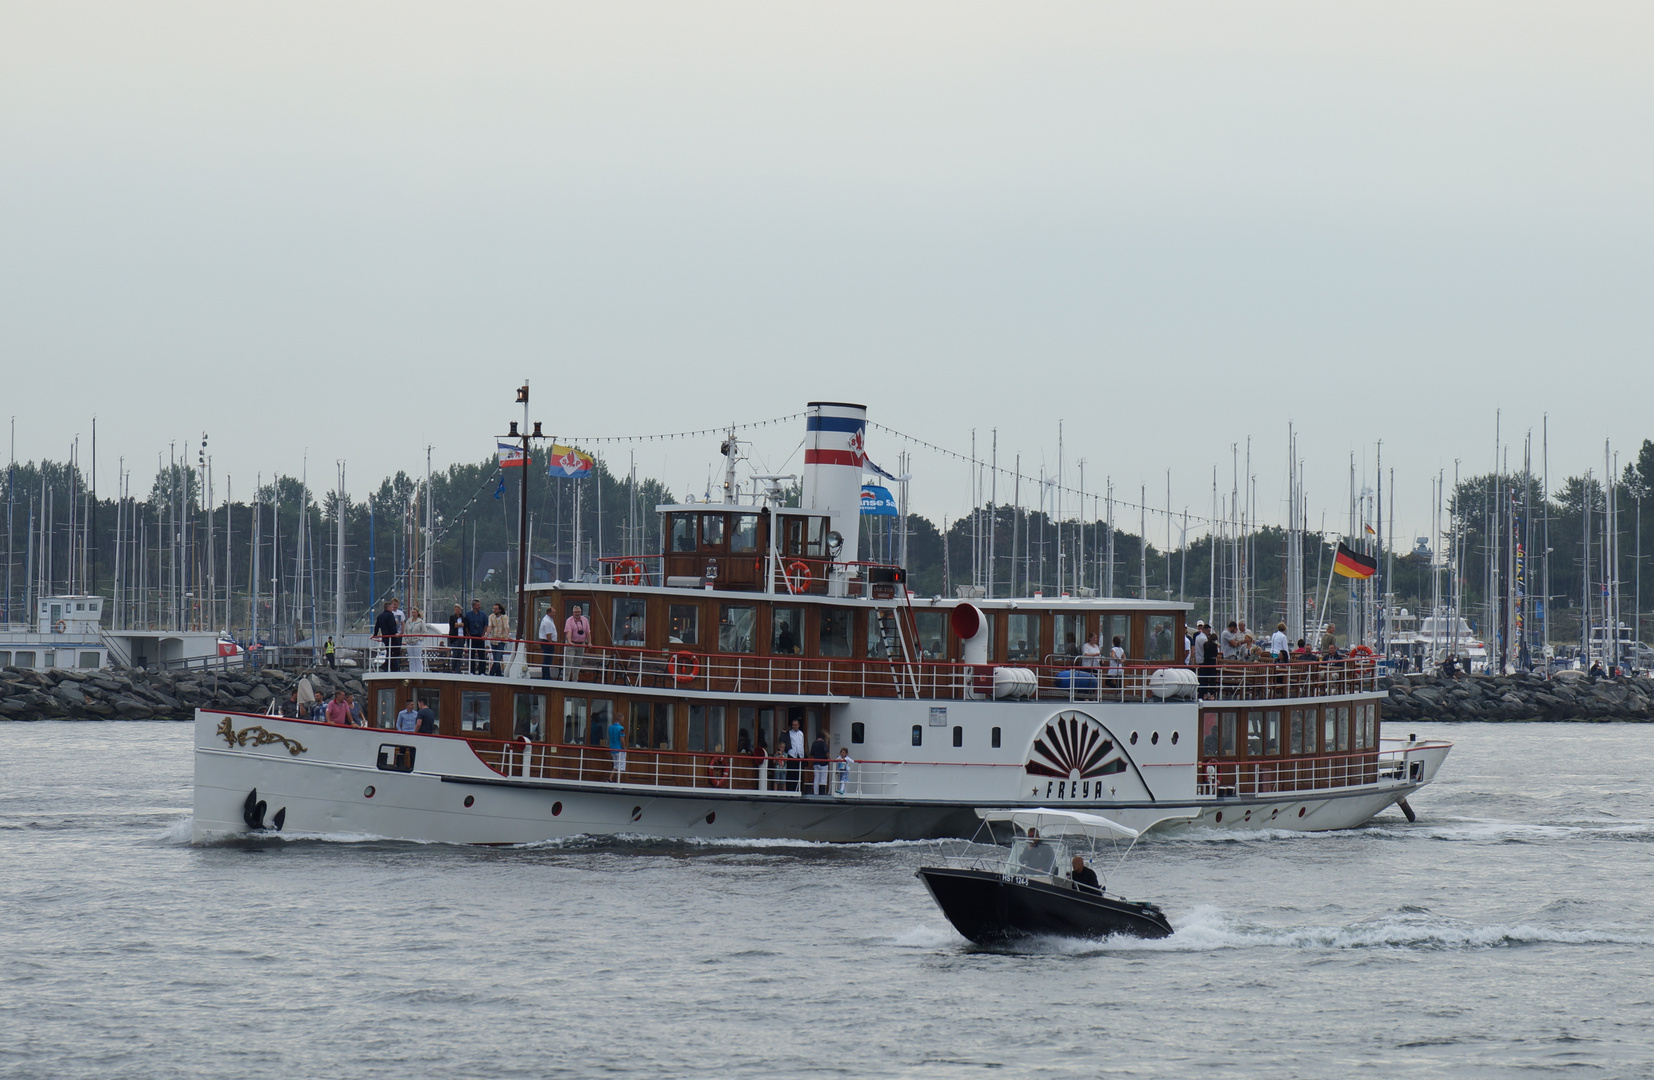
(876, 502)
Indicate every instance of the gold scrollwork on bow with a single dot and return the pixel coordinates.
(258, 737)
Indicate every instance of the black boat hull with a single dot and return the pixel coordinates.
(988, 907)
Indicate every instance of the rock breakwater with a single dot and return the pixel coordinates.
(1569, 696)
(133, 694)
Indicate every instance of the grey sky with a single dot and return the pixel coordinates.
(354, 228)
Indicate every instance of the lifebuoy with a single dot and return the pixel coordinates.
(60, 627)
(717, 771)
(628, 571)
(680, 675)
(1361, 652)
(799, 579)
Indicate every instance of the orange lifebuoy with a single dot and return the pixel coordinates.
(1361, 652)
(60, 627)
(801, 573)
(717, 771)
(679, 674)
(628, 571)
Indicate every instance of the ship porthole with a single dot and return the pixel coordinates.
(1249, 815)
(1220, 817)
(556, 808)
(470, 801)
(1301, 810)
(367, 792)
(637, 812)
(1174, 738)
(711, 816)
(1154, 740)
(1134, 738)
(1273, 812)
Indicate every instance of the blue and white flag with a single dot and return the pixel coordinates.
(876, 502)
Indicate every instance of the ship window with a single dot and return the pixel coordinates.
(737, 627)
(858, 732)
(1160, 639)
(787, 631)
(834, 625)
(1343, 728)
(1116, 626)
(1329, 730)
(817, 543)
(652, 725)
(1068, 633)
(531, 717)
(1309, 730)
(685, 622)
(683, 532)
(744, 536)
(1228, 728)
(1022, 636)
(601, 715)
(574, 720)
(22, 659)
(712, 531)
(474, 709)
(994, 738)
(918, 735)
(385, 714)
(628, 622)
(1272, 732)
(5, 659)
(1296, 735)
(706, 728)
(1254, 734)
(89, 659)
(1209, 734)
(933, 634)
(958, 736)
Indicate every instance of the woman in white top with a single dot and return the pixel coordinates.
(413, 636)
(1090, 655)
(1116, 662)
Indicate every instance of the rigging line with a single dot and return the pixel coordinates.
(724, 429)
(1045, 485)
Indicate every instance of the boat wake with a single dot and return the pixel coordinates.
(1206, 929)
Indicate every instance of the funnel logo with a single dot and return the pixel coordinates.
(858, 443)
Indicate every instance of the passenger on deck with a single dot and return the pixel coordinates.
(785, 643)
(577, 630)
(476, 629)
(842, 764)
(1091, 656)
(338, 710)
(795, 756)
(356, 717)
(548, 643)
(1329, 643)
(499, 632)
(1038, 857)
(388, 629)
(290, 708)
(427, 718)
(318, 709)
(414, 633)
(1117, 663)
(1085, 878)
(1229, 642)
(617, 745)
(408, 719)
(1278, 643)
(818, 763)
(456, 640)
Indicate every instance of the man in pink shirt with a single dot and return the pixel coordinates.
(338, 710)
(577, 631)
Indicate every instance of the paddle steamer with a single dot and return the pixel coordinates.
(757, 614)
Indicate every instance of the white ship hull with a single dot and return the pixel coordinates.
(328, 781)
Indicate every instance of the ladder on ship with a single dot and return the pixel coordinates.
(894, 638)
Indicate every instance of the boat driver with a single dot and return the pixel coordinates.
(1085, 878)
(1037, 857)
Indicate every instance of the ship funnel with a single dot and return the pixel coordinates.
(834, 444)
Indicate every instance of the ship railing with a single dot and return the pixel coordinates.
(1327, 772)
(708, 771)
(685, 667)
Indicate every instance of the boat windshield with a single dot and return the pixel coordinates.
(1033, 855)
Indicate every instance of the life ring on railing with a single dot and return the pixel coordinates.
(679, 675)
(717, 771)
(60, 627)
(801, 573)
(1361, 653)
(628, 571)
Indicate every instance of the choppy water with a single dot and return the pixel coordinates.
(1507, 933)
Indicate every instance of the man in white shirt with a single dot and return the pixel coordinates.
(548, 638)
(1197, 645)
(1278, 643)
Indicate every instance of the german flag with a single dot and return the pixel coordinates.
(1353, 564)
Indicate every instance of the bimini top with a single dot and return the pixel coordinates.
(1059, 822)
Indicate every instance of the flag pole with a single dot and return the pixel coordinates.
(1327, 596)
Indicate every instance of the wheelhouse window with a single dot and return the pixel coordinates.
(834, 623)
(712, 531)
(684, 620)
(1022, 637)
(1160, 638)
(933, 634)
(816, 542)
(628, 622)
(1068, 633)
(794, 534)
(475, 707)
(787, 631)
(737, 628)
(683, 532)
(875, 638)
(743, 536)
(1116, 626)
(530, 717)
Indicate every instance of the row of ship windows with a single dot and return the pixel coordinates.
(1316, 729)
(51, 658)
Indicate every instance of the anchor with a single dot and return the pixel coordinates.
(252, 812)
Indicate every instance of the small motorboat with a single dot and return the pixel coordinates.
(1033, 891)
